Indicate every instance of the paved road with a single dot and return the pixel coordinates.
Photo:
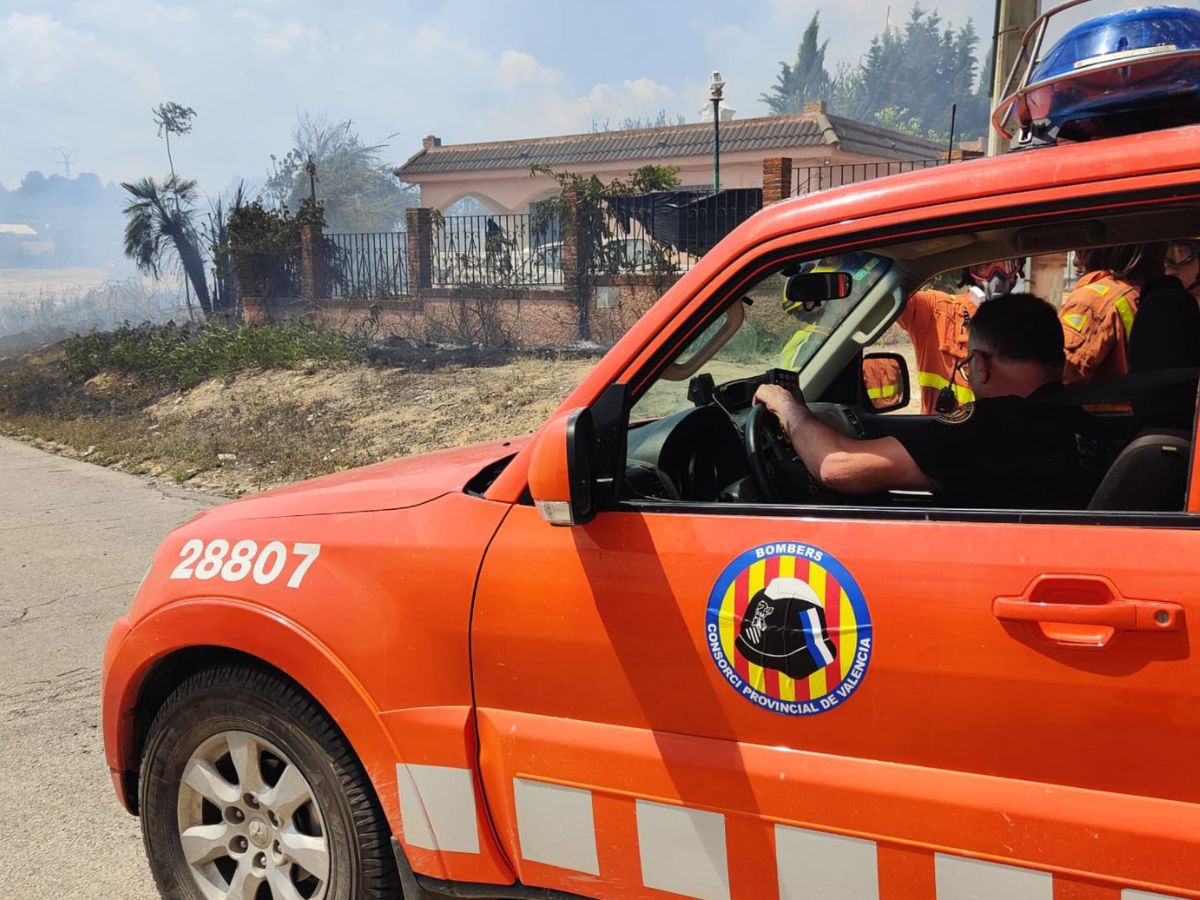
(75, 540)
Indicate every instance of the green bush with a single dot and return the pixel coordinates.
(184, 355)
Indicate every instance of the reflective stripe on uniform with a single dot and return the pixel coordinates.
(1076, 320)
(881, 393)
(787, 356)
(1125, 311)
(933, 380)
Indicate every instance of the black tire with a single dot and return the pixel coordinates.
(241, 700)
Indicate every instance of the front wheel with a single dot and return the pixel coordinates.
(249, 792)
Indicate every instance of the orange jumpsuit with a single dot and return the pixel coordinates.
(937, 324)
(880, 377)
(1096, 319)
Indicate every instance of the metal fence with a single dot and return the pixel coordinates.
(269, 275)
(511, 250)
(659, 234)
(365, 266)
(818, 178)
(665, 233)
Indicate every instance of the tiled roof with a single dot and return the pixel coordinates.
(772, 133)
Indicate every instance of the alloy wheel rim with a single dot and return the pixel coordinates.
(249, 824)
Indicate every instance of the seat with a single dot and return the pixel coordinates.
(1149, 475)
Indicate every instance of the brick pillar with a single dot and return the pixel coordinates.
(419, 220)
(570, 238)
(308, 268)
(777, 180)
(575, 286)
(254, 310)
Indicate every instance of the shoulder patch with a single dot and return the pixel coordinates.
(958, 416)
(1075, 320)
(1100, 288)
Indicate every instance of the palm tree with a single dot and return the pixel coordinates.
(160, 226)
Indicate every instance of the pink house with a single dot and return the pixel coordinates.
(497, 173)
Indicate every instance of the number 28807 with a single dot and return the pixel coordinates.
(205, 561)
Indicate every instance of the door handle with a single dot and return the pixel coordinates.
(1085, 610)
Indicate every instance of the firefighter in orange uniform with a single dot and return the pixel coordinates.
(1098, 315)
(936, 323)
(882, 380)
(1183, 262)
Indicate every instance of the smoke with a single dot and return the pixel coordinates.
(41, 315)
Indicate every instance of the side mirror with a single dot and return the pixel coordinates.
(560, 472)
(885, 381)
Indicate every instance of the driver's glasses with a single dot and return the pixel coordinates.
(963, 367)
(1180, 255)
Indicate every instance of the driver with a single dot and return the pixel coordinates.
(1008, 449)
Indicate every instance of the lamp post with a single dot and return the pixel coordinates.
(716, 88)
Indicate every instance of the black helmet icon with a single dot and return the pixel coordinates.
(784, 629)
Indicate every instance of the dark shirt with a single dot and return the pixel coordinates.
(1005, 453)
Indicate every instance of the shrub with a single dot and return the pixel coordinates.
(184, 355)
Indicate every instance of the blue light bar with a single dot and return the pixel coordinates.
(1121, 37)
(1134, 70)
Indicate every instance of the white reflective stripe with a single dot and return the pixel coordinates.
(555, 825)
(437, 808)
(1131, 894)
(814, 865)
(959, 878)
(683, 850)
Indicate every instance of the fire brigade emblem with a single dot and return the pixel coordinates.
(789, 629)
(958, 416)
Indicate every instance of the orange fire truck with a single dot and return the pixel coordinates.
(642, 654)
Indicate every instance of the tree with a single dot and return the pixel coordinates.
(159, 229)
(908, 79)
(173, 118)
(357, 190)
(806, 79)
(659, 121)
(80, 215)
(216, 237)
(593, 222)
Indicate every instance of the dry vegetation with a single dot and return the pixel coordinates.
(256, 429)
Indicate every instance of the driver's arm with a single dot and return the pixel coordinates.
(843, 464)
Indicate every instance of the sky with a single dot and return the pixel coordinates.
(81, 78)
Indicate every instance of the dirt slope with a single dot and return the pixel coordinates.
(260, 429)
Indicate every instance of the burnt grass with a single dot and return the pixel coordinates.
(130, 402)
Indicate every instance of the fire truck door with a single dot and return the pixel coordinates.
(795, 705)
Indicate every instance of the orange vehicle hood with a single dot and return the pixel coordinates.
(394, 484)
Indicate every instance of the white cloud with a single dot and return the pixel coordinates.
(519, 70)
(479, 95)
(644, 91)
(40, 55)
(85, 74)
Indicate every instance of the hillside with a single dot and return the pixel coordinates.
(257, 429)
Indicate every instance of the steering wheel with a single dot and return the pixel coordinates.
(765, 446)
